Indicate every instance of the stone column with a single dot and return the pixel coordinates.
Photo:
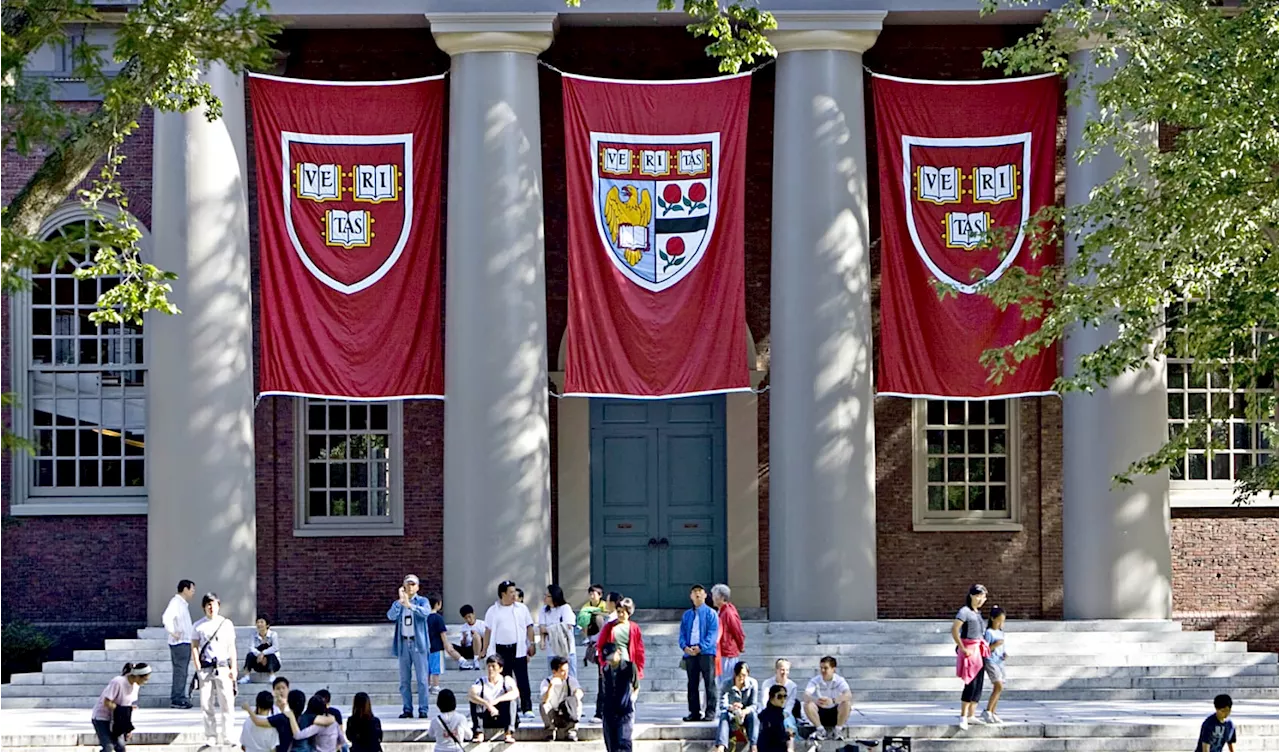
(200, 458)
(822, 506)
(497, 508)
(1116, 555)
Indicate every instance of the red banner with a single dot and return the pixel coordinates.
(349, 237)
(959, 160)
(656, 289)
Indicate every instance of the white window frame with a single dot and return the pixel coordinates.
(1208, 493)
(347, 527)
(921, 521)
(26, 500)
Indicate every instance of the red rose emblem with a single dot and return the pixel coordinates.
(675, 247)
(671, 194)
(697, 192)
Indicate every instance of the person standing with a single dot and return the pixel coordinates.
(732, 640)
(364, 729)
(213, 651)
(966, 632)
(556, 621)
(994, 665)
(509, 633)
(111, 712)
(450, 729)
(617, 699)
(177, 625)
(699, 628)
(626, 637)
(410, 644)
(608, 615)
(438, 637)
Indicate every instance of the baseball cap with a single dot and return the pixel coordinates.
(411, 578)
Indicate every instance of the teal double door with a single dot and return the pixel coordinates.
(658, 497)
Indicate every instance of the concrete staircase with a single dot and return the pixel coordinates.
(886, 661)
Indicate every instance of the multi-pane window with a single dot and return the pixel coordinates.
(965, 460)
(1220, 452)
(85, 395)
(1238, 442)
(349, 466)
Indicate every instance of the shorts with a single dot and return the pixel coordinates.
(994, 670)
(435, 663)
(830, 717)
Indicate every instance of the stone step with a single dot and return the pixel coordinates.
(307, 671)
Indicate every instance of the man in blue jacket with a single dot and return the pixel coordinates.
(410, 644)
(699, 629)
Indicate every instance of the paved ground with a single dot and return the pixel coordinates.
(20, 727)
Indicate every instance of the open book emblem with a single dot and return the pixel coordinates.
(348, 204)
(958, 191)
(655, 201)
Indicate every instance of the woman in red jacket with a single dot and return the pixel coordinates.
(732, 639)
(626, 635)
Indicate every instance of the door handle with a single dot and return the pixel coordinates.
(653, 543)
(664, 543)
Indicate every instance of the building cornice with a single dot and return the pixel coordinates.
(846, 31)
(459, 33)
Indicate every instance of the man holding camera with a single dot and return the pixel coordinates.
(410, 644)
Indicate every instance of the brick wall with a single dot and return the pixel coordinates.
(46, 579)
(1225, 573)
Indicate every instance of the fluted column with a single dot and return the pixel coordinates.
(822, 507)
(1116, 551)
(497, 508)
(200, 458)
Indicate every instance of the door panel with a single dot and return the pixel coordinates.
(657, 497)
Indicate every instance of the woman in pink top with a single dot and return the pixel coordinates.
(966, 632)
(121, 692)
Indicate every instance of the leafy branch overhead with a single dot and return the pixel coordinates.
(1177, 251)
(160, 48)
(737, 30)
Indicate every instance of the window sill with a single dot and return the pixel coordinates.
(78, 507)
(348, 531)
(1216, 498)
(965, 526)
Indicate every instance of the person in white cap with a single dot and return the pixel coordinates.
(410, 644)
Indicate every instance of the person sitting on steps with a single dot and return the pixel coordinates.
(828, 701)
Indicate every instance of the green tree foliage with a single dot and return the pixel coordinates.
(161, 46)
(1178, 250)
(737, 29)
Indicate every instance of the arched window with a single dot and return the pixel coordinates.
(82, 391)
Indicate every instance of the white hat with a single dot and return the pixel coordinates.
(411, 578)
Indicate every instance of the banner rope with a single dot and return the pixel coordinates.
(749, 71)
(558, 395)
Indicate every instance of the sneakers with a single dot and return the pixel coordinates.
(840, 734)
(989, 717)
(243, 679)
(978, 720)
(551, 737)
(964, 722)
(526, 715)
(573, 735)
(433, 690)
(819, 735)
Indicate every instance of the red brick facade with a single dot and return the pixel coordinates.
(1224, 562)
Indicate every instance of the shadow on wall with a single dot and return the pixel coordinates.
(1261, 630)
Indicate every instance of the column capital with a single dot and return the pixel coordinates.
(847, 31)
(457, 33)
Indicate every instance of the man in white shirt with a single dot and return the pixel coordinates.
(561, 703)
(827, 701)
(213, 651)
(782, 678)
(177, 625)
(509, 633)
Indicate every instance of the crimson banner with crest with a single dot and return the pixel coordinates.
(655, 175)
(963, 165)
(349, 237)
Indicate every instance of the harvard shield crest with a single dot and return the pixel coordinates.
(655, 201)
(957, 191)
(348, 204)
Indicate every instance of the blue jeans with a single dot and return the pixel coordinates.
(412, 659)
(108, 743)
(749, 722)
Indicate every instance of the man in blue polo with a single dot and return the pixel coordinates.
(699, 630)
(409, 613)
